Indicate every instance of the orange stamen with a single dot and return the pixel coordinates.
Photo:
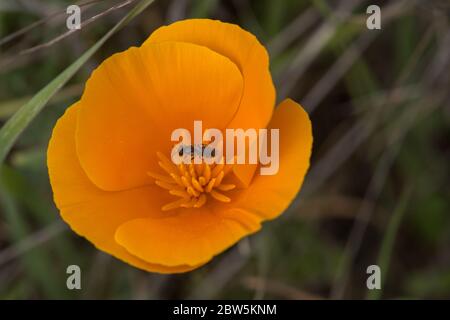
(192, 183)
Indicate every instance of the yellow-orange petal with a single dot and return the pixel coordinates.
(242, 48)
(192, 237)
(93, 213)
(135, 99)
(269, 195)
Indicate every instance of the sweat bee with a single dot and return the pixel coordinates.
(196, 150)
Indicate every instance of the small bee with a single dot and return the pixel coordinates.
(194, 150)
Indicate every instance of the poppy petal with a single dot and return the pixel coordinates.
(191, 237)
(244, 49)
(93, 213)
(135, 99)
(269, 195)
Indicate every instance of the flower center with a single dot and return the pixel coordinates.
(192, 183)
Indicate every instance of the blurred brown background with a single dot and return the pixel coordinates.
(377, 192)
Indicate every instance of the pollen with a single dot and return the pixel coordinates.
(193, 184)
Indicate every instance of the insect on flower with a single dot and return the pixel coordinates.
(109, 157)
(196, 150)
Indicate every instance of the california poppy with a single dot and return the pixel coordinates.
(108, 158)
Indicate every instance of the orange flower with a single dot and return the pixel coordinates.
(108, 155)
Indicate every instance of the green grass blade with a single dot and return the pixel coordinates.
(22, 118)
(387, 245)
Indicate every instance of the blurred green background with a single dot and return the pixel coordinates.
(377, 192)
